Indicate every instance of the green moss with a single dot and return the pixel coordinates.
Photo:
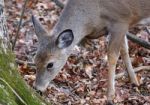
(12, 79)
(6, 96)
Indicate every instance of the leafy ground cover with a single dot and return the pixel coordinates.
(83, 80)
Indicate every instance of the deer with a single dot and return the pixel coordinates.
(88, 19)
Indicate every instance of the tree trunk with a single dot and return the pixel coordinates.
(13, 89)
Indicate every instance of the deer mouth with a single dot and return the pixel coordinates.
(40, 87)
(42, 81)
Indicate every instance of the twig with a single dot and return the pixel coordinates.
(120, 75)
(139, 41)
(58, 3)
(135, 70)
(18, 29)
(24, 62)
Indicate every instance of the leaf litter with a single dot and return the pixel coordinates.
(83, 80)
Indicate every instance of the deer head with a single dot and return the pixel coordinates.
(51, 55)
(55, 47)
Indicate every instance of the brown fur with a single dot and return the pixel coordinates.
(89, 18)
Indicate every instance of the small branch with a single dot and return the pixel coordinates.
(139, 41)
(24, 62)
(58, 3)
(19, 26)
(135, 70)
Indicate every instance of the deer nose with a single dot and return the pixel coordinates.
(41, 86)
(36, 89)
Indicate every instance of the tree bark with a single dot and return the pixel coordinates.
(13, 89)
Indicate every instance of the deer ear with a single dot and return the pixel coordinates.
(65, 39)
(39, 29)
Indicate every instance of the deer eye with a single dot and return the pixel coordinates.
(50, 65)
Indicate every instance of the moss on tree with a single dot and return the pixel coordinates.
(13, 89)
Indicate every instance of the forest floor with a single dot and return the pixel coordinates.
(83, 80)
